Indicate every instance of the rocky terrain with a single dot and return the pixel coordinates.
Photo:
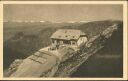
(66, 68)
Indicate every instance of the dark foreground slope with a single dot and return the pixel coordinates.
(25, 44)
(107, 62)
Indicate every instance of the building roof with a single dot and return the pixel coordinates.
(67, 34)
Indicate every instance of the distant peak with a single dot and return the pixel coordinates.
(83, 21)
(71, 21)
(41, 21)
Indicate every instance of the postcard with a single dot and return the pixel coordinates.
(66, 40)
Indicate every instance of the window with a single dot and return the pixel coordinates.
(73, 42)
(55, 41)
(66, 42)
(61, 42)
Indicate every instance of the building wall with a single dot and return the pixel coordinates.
(69, 42)
(81, 40)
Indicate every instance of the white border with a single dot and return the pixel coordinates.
(125, 56)
(63, 2)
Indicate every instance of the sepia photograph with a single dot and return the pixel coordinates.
(63, 40)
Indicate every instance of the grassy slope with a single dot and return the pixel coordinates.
(25, 39)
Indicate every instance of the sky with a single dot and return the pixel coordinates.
(62, 12)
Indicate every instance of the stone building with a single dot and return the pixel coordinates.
(68, 37)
